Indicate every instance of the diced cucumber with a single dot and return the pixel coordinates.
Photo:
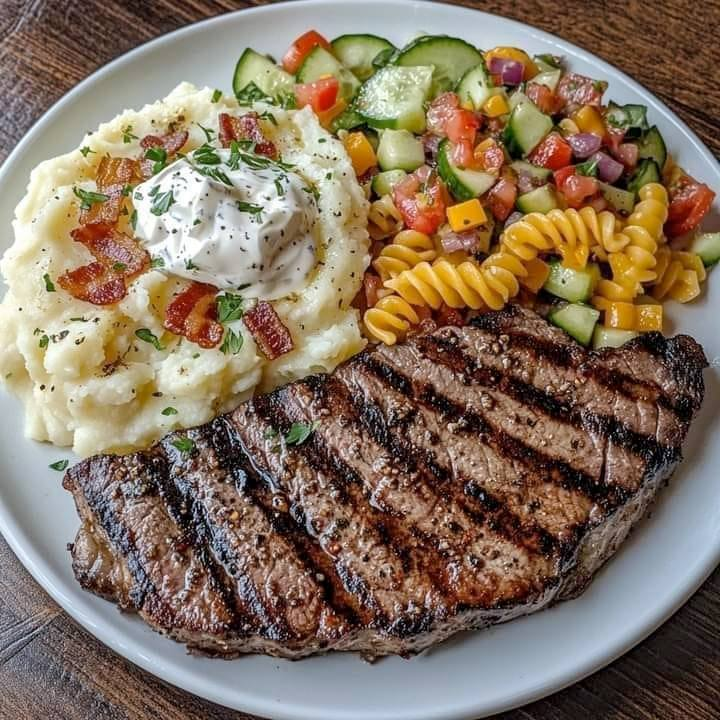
(476, 86)
(611, 337)
(707, 246)
(526, 127)
(357, 52)
(255, 68)
(651, 146)
(550, 72)
(384, 182)
(395, 98)
(450, 57)
(621, 200)
(522, 167)
(516, 98)
(541, 200)
(320, 63)
(547, 62)
(631, 118)
(346, 120)
(646, 172)
(463, 184)
(570, 284)
(400, 150)
(577, 320)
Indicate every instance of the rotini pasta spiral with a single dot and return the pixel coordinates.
(679, 275)
(652, 210)
(407, 249)
(384, 219)
(390, 319)
(490, 284)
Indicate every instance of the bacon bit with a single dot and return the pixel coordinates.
(271, 336)
(369, 292)
(94, 283)
(193, 314)
(113, 174)
(245, 127)
(112, 249)
(170, 142)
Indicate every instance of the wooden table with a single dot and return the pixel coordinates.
(49, 667)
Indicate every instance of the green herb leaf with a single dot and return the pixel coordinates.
(229, 307)
(250, 94)
(254, 210)
(159, 157)
(190, 265)
(162, 203)
(49, 285)
(234, 159)
(312, 190)
(169, 411)
(78, 319)
(217, 94)
(279, 188)
(85, 150)
(232, 343)
(589, 167)
(267, 115)
(127, 134)
(149, 337)
(60, 465)
(209, 133)
(183, 444)
(157, 262)
(119, 267)
(89, 198)
(300, 432)
(127, 189)
(44, 341)
(133, 220)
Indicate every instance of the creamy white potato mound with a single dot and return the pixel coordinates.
(84, 377)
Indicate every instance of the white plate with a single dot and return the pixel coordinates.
(664, 562)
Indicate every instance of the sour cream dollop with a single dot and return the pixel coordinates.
(235, 224)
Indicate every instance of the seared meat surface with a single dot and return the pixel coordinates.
(464, 478)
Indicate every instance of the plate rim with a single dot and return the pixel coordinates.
(16, 536)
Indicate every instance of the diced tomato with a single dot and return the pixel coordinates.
(449, 316)
(552, 153)
(574, 89)
(546, 100)
(462, 154)
(441, 109)
(627, 154)
(462, 126)
(690, 201)
(614, 138)
(320, 95)
(489, 157)
(421, 199)
(577, 189)
(501, 198)
(300, 49)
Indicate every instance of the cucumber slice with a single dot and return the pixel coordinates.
(570, 284)
(268, 77)
(577, 320)
(450, 57)
(357, 52)
(707, 246)
(550, 72)
(541, 200)
(476, 86)
(516, 98)
(646, 172)
(400, 150)
(463, 184)
(384, 182)
(395, 98)
(611, 337)
(320, 63)
(346, 120)
(621, 200)
(526, 127)
(522, 167)
(652, 147)
(631, 118)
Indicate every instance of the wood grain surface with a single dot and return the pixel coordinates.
(49, 667)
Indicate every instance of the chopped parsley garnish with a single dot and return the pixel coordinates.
(229, 307)
(234, 159)
(312, 190)
(88, 198)
(232, 343)
(127, 190)
(589, 167)
(190, 265)
(217, 94)
(78, 319)
(49, 285)
(322, 140)
(59, 465)
(133, 219)
(206, 155)
(209, 133)
(85, 150)
(157, 262)
(162, 203)
(149, 337)
(216, 174)
(254, 210)
(119, 266)
(286, 101)
(300, 432)
(279, 187)
(159, 157)
(268, 116)
(169, 411)
(251, 93)
(183, 444)
(127, 134)
(44, 342)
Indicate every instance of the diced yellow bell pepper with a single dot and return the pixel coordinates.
(568, 127)
(621, 315)
(466, 216)
(495, 106)
(511, 53)
(589, 120)
(649, 317)
(327, 116)
(538, 272)
(360, 151)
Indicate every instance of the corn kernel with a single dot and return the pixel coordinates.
(360, 151)
(496, 106)
(466, 216)
(621, 315)
(588, 120)
(649, 317)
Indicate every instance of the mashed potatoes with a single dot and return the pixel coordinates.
(84, 377)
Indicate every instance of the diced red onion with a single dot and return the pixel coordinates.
(454, 241)
(431, 143)
(510, 71)
(525, 183)
(513, 218)
(609, 170)
(584, 144)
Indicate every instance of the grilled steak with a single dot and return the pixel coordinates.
(464, 478)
